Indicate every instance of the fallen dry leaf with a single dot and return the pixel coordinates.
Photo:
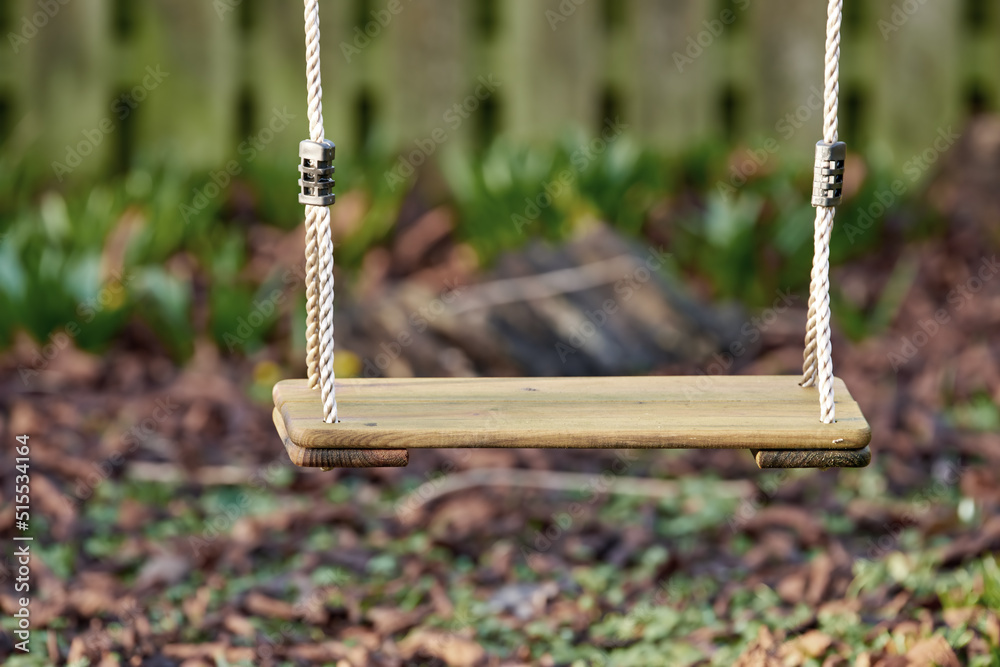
(390, 620)
(453, 649)
(813, 644)
(763, 652)
(932, 652)
(803, 523)
(239, 625)
(259, 604)
(163, 568)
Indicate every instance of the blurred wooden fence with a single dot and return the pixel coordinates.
(677, 72)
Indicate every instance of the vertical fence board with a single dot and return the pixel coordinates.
(64, 67)
(188, 115)
(980, 58)
(920, 92)
(16, 66)
(550, 67)
(428, 76)
(788, 44)
(668, 66)
(863, 74)
(617, 65)
(274, 73)
(672, 99)
(735, 70)
(344, 71)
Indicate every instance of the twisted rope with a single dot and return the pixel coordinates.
(817, 366)
(319, 242)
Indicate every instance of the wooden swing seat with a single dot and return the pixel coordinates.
(382, 419)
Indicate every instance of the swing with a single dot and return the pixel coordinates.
(357, 423)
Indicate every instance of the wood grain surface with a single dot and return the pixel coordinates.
(659, 412)
(339, 458)
(813, 458)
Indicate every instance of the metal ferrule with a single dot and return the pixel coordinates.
(828, 173)
(316, 173)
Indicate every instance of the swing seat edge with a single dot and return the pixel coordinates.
(381, 419)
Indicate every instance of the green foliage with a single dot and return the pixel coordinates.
(979, 414)
(58, 249)
(511, 194)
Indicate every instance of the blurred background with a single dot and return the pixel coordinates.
(505, 169)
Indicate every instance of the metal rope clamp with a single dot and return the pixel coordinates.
(828, 173)
(316, 173)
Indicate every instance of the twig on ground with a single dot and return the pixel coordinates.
(560, 481)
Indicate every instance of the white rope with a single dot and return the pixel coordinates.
(817, 367)
(319, 242)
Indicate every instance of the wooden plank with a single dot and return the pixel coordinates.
(339, 458)
(816, 458)
(587, 390)
(733, 412)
